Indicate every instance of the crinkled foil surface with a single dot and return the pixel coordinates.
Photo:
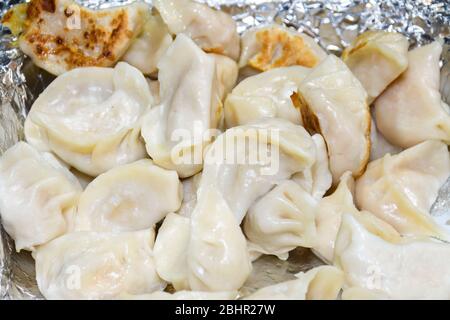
(332, 23)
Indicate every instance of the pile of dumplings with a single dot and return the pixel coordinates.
(110, 210)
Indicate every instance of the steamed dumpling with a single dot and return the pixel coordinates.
(379, 146)
(190, 187)
(170, 250)
(401, 189)
(90, 117)
(320, 283)
(37, 196)
(131, 197)
(175, 131)
(273, 46)
(413, 269)
(282, 220)
(411, 110)
(213, 31)
(90, 265)
(377, 58)
(217, 255)
(150, 45)
(247, 161)
(334, 103)
(329, 216)
(60, 35)
(226, 72)
(266, 95)
(317, 179)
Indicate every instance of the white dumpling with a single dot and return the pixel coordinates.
(37, 195)
(227, 74)
(91, 265)
(60, 35)
(175, 131)
(401, 189)
(150, 45)
(273, 46)
(217, 255)
(413, 269)
(320, 283)
(329, 216)
(213, 31)
(131, 197)
(247, 161)
(90, 117)
(184, 295)
(82, 178)
(265, 95)
(334, 103)
(282, 220)
(411, 111)
(190, 187)
(357, 293)
(379, 146)
(377, 58)
(170, 250)
(317, 179)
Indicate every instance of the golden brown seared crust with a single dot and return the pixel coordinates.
(101, 39)
(281, 49)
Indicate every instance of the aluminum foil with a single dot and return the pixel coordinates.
(332, 23)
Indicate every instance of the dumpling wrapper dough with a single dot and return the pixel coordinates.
(213, 31)
(273, 46)
(60, 35)
(334, 103)
(150, 45)
(414, 269)
(320, 283)
(401, 189)
(91, 265)
(411, 109)
(282, 220)
(176, 131)
(91, 117)
(184, 295)
(217, 255)
(37, 196)
(131, 197)
(377, 58)
(170, 250)
(265, 95)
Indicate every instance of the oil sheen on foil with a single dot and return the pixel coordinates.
(332, 23)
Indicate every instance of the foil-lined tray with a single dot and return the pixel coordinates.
(333, 23)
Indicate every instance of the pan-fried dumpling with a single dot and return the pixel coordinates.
(265, 95)
(320, 283)
(174, 131)
(213, 31)
(334, 103)
(60, 35)
(91, 265)
(329, 216)
(90, 117)
(377, 58)
(247, 161)
(131, 197)
(282, 220)
(413, 269)
(150, 45)
(273, 46)
(184, 295)
(170, 250)
(317, 179)
(37, 194)
(411, 111)
(218, 259)
(401, 189)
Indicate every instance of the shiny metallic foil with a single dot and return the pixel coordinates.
(332, 23)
